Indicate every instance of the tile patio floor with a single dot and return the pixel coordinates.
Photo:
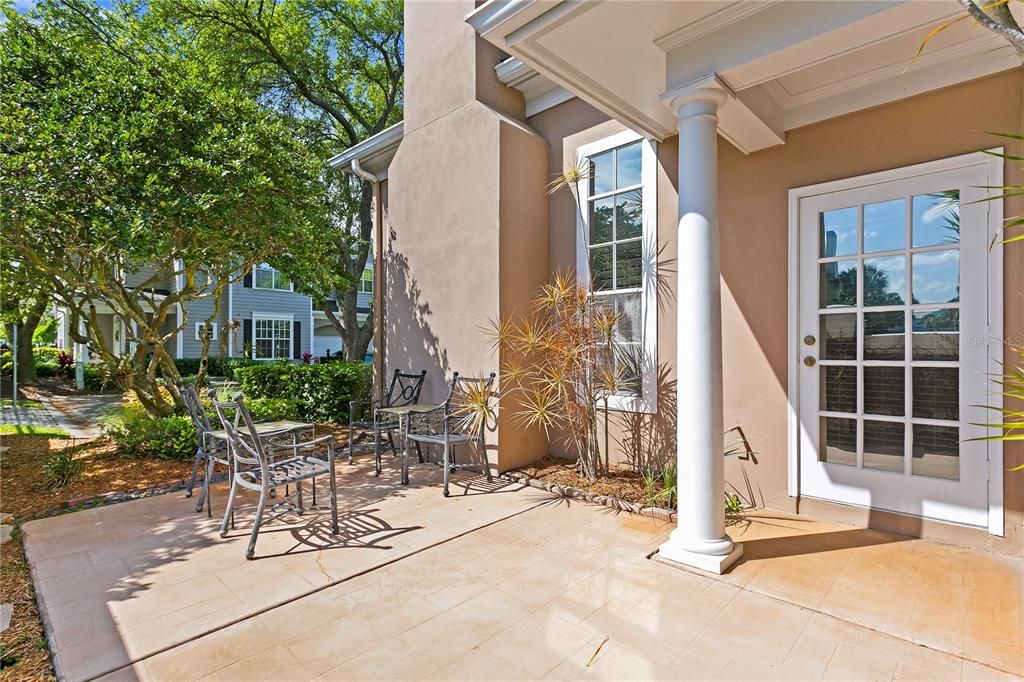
(501, 582)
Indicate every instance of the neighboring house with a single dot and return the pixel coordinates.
(786, 216)
(274, 322)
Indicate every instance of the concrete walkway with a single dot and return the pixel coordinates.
(501, 582)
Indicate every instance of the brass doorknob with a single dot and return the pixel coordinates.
(809, 340)
(809, 361)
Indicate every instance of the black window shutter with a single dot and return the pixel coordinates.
(296, 338)
(247, 280)
(247, 334)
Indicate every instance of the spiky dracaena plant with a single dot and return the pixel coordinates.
(560, 363)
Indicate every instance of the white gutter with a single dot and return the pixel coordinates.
(358, 170)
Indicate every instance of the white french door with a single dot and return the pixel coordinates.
(892, 340)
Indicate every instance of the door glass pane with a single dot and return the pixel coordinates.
(936, 451)
(937, 393)
(628, 260)
(839, 337)
(885, 226)
(601, 173)
(838, 388)
(601, 221)
(883, 390)
(936, 334)
(838, 236)
(601, 267)
(937, 276)
(885, 280)
(884, 336)
(627, 166)
(883, 445)
(838, 284)
(628, 214)
(936, 218)
(838, 441)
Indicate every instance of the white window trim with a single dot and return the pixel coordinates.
(993, 164)
(264, 266)
(362, 280)
(648, 402)
(213, 330)
(291, 334)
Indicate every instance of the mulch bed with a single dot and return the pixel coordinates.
(24, 494)
(622, 483)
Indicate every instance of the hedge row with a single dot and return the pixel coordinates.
(322, 391)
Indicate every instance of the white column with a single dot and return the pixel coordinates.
(699, 539)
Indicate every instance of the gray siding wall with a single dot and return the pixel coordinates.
(249, 301)
(135, 278)
(200, 311)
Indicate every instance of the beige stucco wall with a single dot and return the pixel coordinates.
(754, 230)
(467, 215)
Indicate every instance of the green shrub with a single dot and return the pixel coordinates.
(273, 409)
(61, 468)
(47, 369)
(137, 435)
(321, 391)
(95, 378)
(215, 366)
(46, 354)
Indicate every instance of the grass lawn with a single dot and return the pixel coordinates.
(22, 404)
(30, 430)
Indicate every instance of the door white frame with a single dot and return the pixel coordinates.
(993, 167)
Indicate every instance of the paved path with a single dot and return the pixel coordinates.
(509, 583)
(82, 413)
(45, 416)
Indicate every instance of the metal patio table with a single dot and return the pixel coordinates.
(403, 413)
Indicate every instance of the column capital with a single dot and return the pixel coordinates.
(708, 89)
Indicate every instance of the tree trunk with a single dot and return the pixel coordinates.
(23, 352)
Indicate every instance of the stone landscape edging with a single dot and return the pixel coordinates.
(616, 503)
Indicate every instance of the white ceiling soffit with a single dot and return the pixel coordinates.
(786, 63)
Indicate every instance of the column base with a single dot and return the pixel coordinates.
(672, 554)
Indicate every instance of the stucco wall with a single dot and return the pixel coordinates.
(754, 232)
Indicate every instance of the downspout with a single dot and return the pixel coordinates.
(378, 271)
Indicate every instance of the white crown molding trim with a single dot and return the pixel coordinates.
(540, 92)
(981, 43)
(712, 22)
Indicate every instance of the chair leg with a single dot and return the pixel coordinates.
(206, 488)
(298, 494)
(251, 549)
(228, 511)
(376, 449)
(334, 489)
(391, 443)
(419, 452)
(446, 466)
(195, 472)
(351, 439)
(405, 463)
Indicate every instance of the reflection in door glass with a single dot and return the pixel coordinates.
(839, 337)
(936, 393)
(936, 218)
(884, 337)
(937, 276)
(838, 233)
(885, 226)
(883, 391)
(936, 451)
(885, 280)
(839, 388)
(936, 334)
(883, 445)
(838, 284)
(838, 441)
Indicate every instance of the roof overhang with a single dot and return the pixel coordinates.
(371, 156)
(784, 64)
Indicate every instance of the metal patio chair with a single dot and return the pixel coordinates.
(448, 424)
(366, 415)
(210, 450)
(256, 467)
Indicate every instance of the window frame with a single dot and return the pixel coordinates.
(647, 401)
(275, 273)
(272, 317)
(213, 330)
(363, 280)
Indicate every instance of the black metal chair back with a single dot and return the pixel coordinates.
(405, 388)
(469, 398)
